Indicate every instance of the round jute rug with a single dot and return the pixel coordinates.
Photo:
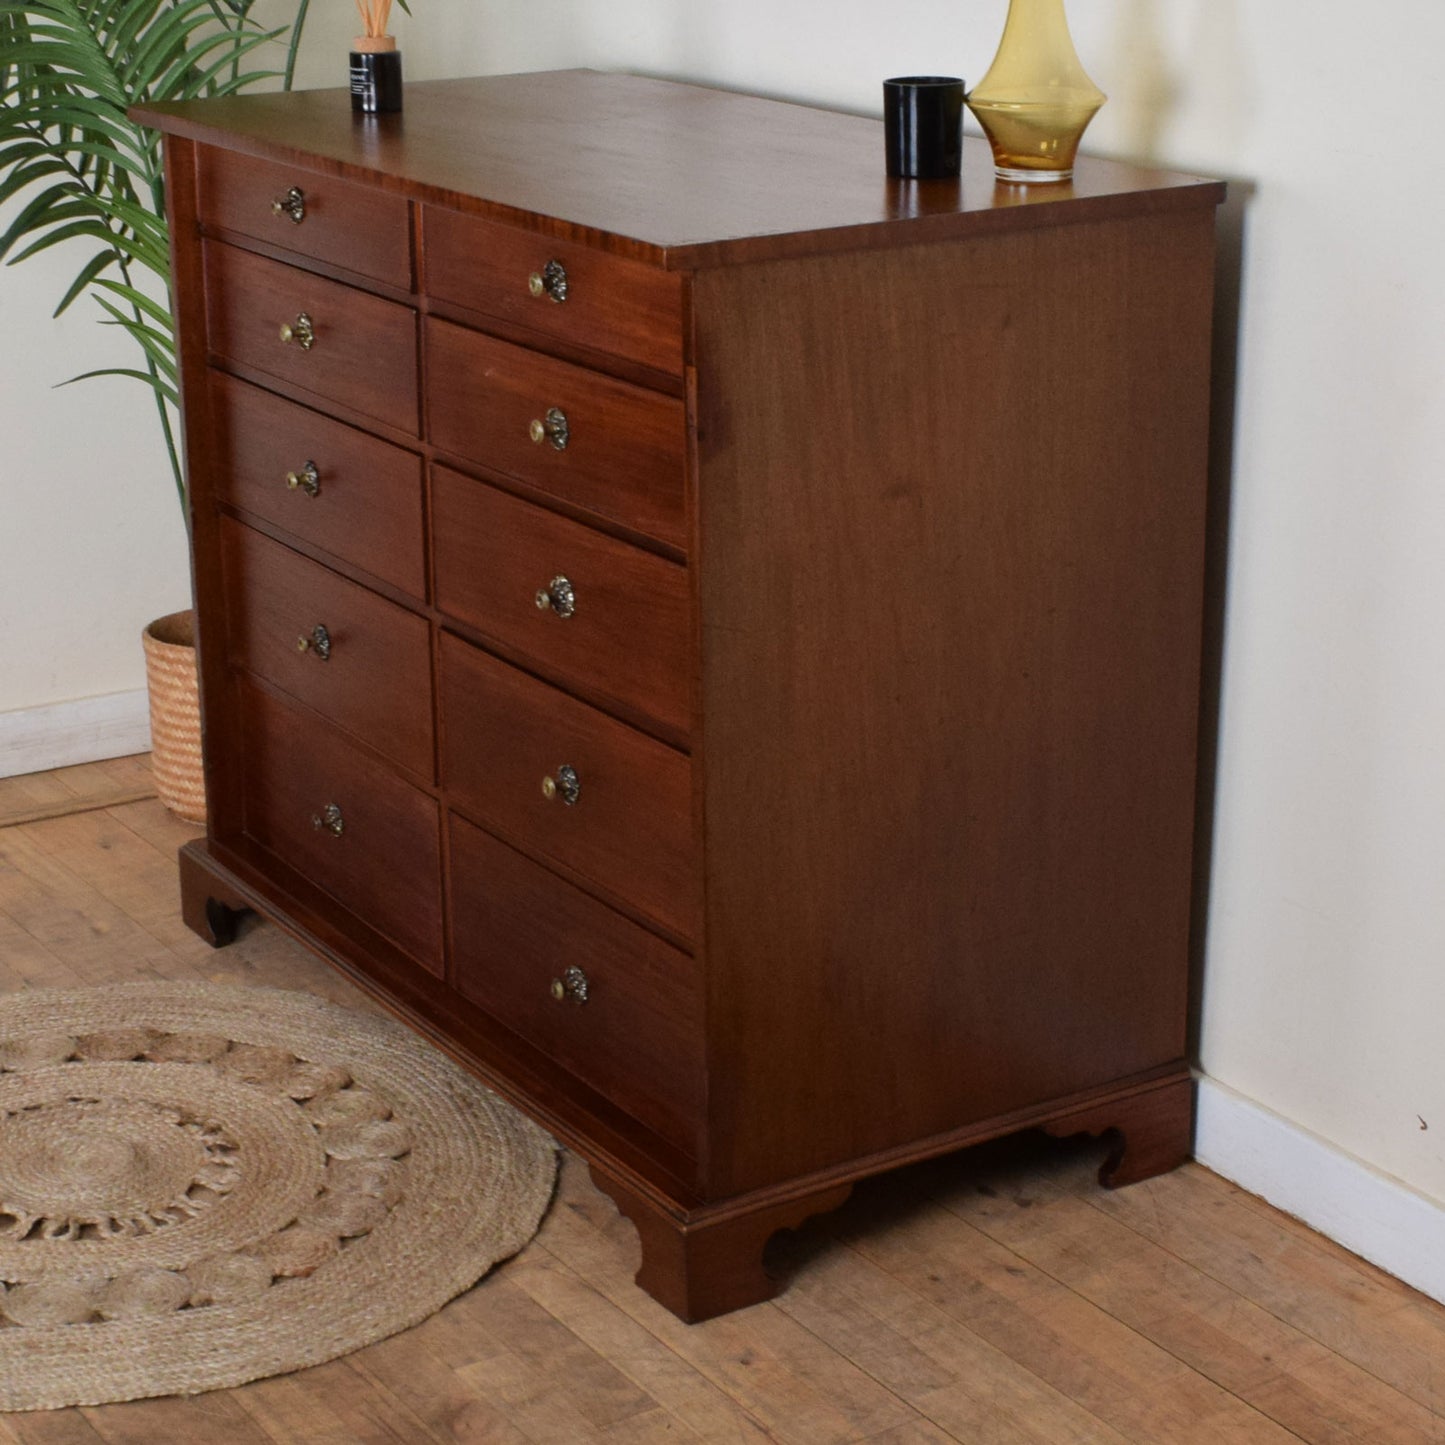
(201, 1186)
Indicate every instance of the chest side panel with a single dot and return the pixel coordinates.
(951, 538)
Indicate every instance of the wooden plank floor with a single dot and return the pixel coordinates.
(995, 1298)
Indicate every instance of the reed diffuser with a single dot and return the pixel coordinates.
(375, 61)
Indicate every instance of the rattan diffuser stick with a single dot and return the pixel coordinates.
(374, 17)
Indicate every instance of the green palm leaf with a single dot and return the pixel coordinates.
(50, 205)
(89, 273)
(159, 345)
(74, 167)
(67, 230)
(138, 300)
(169, 394)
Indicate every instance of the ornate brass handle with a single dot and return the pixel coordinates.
(302, 331)
(572, 985)
(307, 480)
(317, 642)
(550, 281)
(551, 428)
(559, 595)
(566, 785)
(329, 820)
(292, 204)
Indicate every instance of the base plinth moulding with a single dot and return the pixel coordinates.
(702, 1259)
(210, 907)
(711, 1262)
(1153, 1132)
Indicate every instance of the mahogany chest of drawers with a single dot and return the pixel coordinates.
(708, 633)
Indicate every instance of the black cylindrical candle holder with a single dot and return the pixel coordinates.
(923, 125)
(376, 77)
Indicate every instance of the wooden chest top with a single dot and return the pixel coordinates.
(674, 175)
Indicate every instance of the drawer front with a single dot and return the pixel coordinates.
(608, 303)
(330, 485)
(627, 638)
(638, 1037)
(371, 671)
(378, 854)
(337, 222)
(364, 352)
(623, 456)
(621, 815)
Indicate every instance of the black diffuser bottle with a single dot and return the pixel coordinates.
(375, 75)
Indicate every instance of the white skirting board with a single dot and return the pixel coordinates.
(84, 731)
(1372, 1214)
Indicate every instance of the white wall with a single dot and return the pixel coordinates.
(92, 543)
(1324, 986)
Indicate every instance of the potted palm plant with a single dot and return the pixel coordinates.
(76, 171)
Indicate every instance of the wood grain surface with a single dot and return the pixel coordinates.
(629, 640)
(611, 304)
(220, 716)
(367, 513)
(949, 875)
(623, 456)
(346, 225)
(996, 1296)
(386, 864)
(674, 175)
(31, 797)
(630, 831)
(637, 1039)
(375, 681)
(365, 352)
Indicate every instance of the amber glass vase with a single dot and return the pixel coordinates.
(1036, 101)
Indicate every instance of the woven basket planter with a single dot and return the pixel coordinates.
(170, 649)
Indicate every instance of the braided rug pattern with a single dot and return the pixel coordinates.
(202, 1185)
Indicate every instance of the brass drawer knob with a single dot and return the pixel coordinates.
(571, 986)
(317, 642)
(559, 596)
(551, 428)
(329, 820)
(292, 204)
(307, 480)
(550, 281)
(302, 331)
(566, 785)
